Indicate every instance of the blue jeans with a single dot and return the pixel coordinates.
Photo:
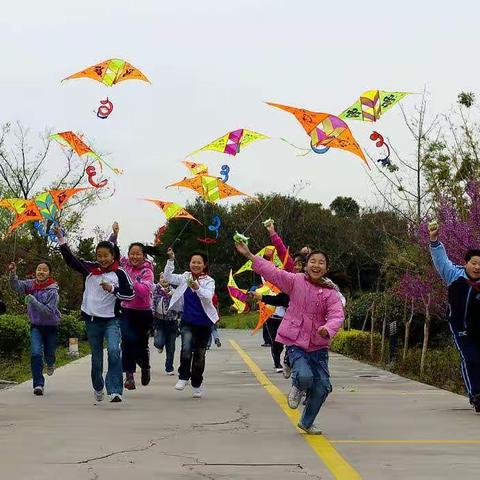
(310, 374)
(97, 331)
(43, 343)
(214, 336)
(165, 334)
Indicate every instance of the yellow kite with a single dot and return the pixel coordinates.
(196, 168)
(172, 210)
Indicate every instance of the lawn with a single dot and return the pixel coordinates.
(246, 321)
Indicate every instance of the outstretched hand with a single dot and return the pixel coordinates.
(433, 229)
(171, 253)
(115, 228)
(12, 267)
(57, 230)
(243, 249)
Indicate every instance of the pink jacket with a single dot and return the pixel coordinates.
(143, 284)
(277, 242)
(310, 308)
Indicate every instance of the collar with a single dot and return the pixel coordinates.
(35, 287)
(98, 270)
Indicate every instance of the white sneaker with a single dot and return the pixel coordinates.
(294, 397)
(197, 392)
(171, 373)
(279, 370)
(181, 384)
(99, 395)
(50, 370)
(115, 398)
(313, 430)
(38, 391)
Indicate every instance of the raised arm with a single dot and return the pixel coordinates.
(277, 242)
(444, 266)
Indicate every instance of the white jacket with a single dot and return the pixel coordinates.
(205, 292)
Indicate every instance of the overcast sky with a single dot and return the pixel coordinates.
(212, 64)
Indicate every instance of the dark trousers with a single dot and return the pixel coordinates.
(136, 326)
(266, 335)
(43, 343)
(276, 348)
(192, 356)
(165, 334)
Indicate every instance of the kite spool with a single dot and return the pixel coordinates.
(73, 347)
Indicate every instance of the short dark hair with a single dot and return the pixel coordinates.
(473, 252)
(113, 249)
(204, 258)
(47, 263)
(299, 255)
(319, 252)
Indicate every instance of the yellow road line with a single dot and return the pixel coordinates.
(412, 442)
(337, 465)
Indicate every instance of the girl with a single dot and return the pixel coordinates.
(42, 310)
(166, 322)
(313, 317)
(105, 282)
(196, 289)
(137, 318)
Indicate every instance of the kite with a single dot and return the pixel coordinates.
(207, 240)
(216, 223)
(325, 130)
(91, 172)
(196, 168)
(172, 210)
(269, 248)
(110, 72)
(380, 142)
(158, 235)
(105, 109)
(73, 141)
(44, 206)
(232, 142)
(239, 296)
(265, 311)
(372, 104)
(50, 234)
(224, 172)
(210, 188)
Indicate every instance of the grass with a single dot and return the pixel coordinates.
(246, 321)
(18, 369)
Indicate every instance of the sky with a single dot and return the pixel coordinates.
(212, 65)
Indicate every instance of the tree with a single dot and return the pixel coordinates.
(345, 207)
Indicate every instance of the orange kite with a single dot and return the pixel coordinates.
(172, 210)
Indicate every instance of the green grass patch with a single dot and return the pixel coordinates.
(246, 321)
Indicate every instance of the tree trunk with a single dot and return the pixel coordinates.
(372, 325)
(384, 330)
(407, 331)
(426, 332)
(365, 320)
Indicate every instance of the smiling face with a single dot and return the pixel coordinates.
(472, 267)
(42, 272)
(136, 256)
(317, 266)
(197, 265)
(104, 257)
(299, 264)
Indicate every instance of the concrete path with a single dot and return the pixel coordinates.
(377, 426)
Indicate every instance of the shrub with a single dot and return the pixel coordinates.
(71, 326)
(356, 344)
(14, 334)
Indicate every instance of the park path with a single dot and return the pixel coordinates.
(377, 426)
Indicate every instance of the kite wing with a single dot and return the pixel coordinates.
(111, 72)
(210, 188)
(247, 266)
(372, 104)
(239, 296)
(196, 168)
(172, 210)
(25, 211)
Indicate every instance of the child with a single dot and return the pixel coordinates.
(313, 317)
(196, 289)
(42, 310)
(105, 283)
(137, 319)
(165, 322)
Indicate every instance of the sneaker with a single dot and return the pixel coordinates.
(294, 397)
(218, 343)
(38, 391)
(279, 369)
(197, 392)
(170, 373)
(129, 382)
(160, 350)
(99, 395)
(287, 371)
(181, 384)
(50, 370)
(146, 376)
(266, 345)
(115, 398)
(313, 430)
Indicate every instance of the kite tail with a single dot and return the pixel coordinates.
(305, 151)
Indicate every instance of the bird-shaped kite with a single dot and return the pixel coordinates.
(371, 105)
(44, 206)
(232, 142)
(73, 141)
(196, 168)
(325, 130)
(172, 210)
(209, 188)
(110, 72)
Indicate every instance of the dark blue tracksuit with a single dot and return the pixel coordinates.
(463, 317)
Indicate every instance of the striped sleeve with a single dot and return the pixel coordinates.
(124, 291)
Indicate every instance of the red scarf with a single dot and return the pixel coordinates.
(98, 270)
(35, 287)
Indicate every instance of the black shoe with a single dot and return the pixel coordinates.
(266, 345)
(218, 343)
(145, 376)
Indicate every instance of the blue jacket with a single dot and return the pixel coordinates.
(463, 299)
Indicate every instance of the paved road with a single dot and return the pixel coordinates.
(377, 426)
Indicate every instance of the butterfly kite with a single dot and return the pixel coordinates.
(372, 104)
(209, 188)
(325, 130)
(43, 207)
(110, 72)
(232, 142)
(172, 210)
(73, 141)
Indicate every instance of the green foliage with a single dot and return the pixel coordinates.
(71, 326)
(356, 344)
(467, 99)
(14, 334)
(345, 207)
(246, 321)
